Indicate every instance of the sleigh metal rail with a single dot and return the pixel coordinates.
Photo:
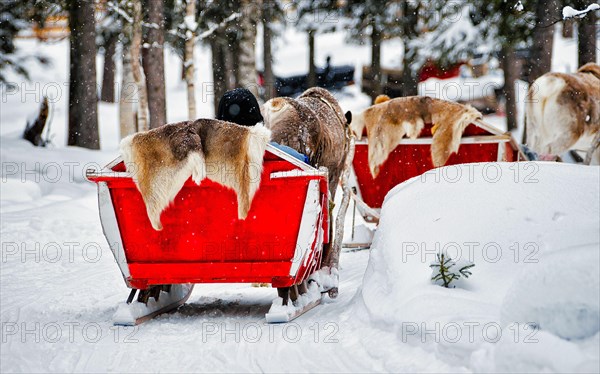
(482, 139)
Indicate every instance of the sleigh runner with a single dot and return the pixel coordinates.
(203, 241)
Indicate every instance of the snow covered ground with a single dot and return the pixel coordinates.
(59, 284)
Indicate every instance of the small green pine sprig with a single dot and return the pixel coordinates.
(445, 273)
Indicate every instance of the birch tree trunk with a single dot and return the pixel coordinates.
(247, 62)
(190, 14)
(138, 73)
(127, 116)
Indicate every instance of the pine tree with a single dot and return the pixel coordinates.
(109, 33)
(118, 23)
(190, 34)
(316, 17)
(247, 58)
(108, 75)
(174, 13)
(83, 100)
(153, 61)
(16, 15)
(543, 36)
(268, 77)
(271, 12)
(411, 14)
(501, 26)
(587, 33)
(445, 270)
(378, 19)
(211, 13)
(219, 25)
(136, 68)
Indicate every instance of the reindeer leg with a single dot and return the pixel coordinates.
(332, 257)
(594, 146)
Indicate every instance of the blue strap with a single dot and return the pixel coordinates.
(291, 151)
(530, 153)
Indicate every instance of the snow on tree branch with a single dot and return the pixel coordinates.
(120, 11)
(450, 41)
(223, 23)
(127, 17)
(568, 12)
(190, 22)
(519, 6)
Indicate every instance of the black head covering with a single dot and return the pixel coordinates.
(239, 106)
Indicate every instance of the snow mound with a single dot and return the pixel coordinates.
(562, 295)
(531, 229)
(528, 351)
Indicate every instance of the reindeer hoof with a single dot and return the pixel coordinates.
(333, 293)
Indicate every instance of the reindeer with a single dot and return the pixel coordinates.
(563, 110)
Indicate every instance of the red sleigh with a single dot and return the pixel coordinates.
(203, 241)
(480, 142)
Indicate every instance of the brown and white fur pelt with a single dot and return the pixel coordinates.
(314, 125)
(564, 110)
(389, 120)
(162, 159)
